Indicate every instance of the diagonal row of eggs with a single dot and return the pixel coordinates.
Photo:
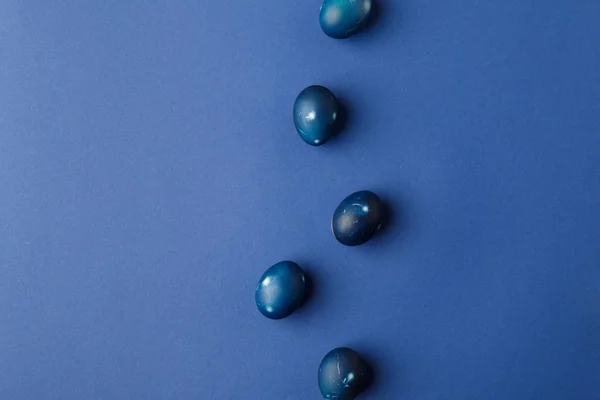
(282, 288)
(343, 374)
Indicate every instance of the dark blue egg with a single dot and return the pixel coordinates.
(315, 113)
(357, 218)
(343, 374)
(340, 19)
(280, 290)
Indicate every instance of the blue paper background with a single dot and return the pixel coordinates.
(150, 172)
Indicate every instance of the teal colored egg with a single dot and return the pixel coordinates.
(316, 111)
(280, 290)
(340, 19)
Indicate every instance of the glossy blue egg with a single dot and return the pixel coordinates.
(340, 19)
(357, 218)
(315, 114)
(343, 374)
(281, 290)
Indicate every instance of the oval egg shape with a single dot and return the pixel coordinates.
(316, 110)
(340, 19)
(281, 290)
(357, 218)
(343, 374)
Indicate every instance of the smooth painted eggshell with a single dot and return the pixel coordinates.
(340, 19)
(316, 110)
(281, 290)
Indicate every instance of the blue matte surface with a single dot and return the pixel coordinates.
(150, 172)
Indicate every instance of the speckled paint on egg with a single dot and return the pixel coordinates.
(341, 19)
(357, 218)
(343, 374)
(280, 290)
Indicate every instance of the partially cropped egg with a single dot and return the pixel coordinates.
(281, 290)
(343, 374)
(316, 110)
(340, 19)
(357, 218)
